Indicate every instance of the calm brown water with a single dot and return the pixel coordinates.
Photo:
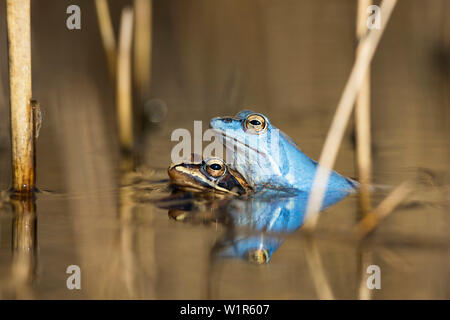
(288, 60)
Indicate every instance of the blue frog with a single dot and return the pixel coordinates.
(268, 158)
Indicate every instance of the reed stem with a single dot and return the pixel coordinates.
(22, 126)
(342, 115)
(107, 34)
(123, 82)
(362, 118)
(143, 46)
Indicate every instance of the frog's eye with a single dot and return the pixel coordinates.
(258, 256)
(215, 168)
(255, 123)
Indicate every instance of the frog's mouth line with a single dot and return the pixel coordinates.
(243, 145)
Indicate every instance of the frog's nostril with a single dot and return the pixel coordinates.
(227, 120)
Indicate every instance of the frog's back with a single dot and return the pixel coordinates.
(302, 169)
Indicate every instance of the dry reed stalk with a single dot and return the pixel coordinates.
(362, 118)
(107, 34)
(22, 133)
(334, 137)
(373, 218)
(363, 145)
(123, 81)
(142, 45)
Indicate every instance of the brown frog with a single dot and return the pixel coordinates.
(212, 175)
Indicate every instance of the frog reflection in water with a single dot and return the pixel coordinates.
(268, 158)
(256, 225)
(260, 224)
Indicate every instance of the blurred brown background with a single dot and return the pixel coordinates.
(288, 59)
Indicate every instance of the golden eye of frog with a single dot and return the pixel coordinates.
(212, 174)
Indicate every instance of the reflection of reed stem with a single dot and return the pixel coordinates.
(128, 249)
(317, 271)
(364, 293)
(24, 243)
(107, 33)
(362, 117)
(334, 137)
(124, 98)
(22, 135)
(24, 236)
(142, 46)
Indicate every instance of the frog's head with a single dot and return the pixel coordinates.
(261, 152)
(212, 174)
(245, 129)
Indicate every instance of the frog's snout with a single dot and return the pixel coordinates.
(214, 122)
(223, 122)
